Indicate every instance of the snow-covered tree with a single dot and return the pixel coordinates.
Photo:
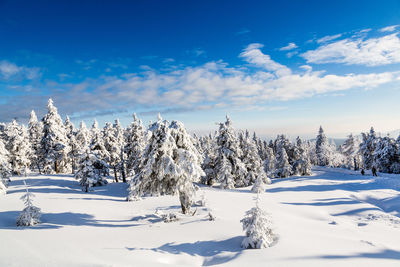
(302, 164)
(97, 145)
(135, 145)
(169, 165)
(259, 185)
(322, 149)
(35, 129)
(83, 137)
(309, 147)
(73, 152)
(114, 142)
(19, 147)
(230, 170)
(120, 142)
(251, 159)
(350, 149)
(282, 166)
(208, 146)
(54, 143)
(367, 148)
(258, 228)
(5, 168)
(30, 215)
(269, 160)
(386, 156)
(90, 170)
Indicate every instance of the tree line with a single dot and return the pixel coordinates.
(163, 158)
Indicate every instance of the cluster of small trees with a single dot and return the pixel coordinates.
(52, 146)
(237, 159)
(359, 152)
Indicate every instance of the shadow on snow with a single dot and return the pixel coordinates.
(214, 251)
(59, 220)
(58, 184)
(388, 254)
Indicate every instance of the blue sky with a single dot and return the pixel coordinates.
(273, 66)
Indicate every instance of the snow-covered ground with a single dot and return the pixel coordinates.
(334, 218)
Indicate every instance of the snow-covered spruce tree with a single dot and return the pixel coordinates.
(90, 170)
(97, 145)
(282, 166)
(169, 165)
(309, 147)
(30, 215)
(5, 168)
(296, 153)
(73, 153)
(322, 149)
(188, 162)
(269, 161)
(135, 145)
(230, 170)
(208, 144)
(259, 185)
(83, 137)
(386, 156)
(258, 228)
(114, 142)
(54, 143)
(120, 139)
(251, 159)
(367, 148)
(336, 158)
(302, 164)
(19, 147)
(350, 150)
(35, 129)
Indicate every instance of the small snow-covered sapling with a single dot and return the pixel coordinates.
(257, 226)
(30, 215)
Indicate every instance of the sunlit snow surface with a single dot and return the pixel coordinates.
(334, 218)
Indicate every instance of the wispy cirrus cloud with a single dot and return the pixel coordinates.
(329, 38)
(358, 51)
(9, 70)
(196, 52)
(243, 31)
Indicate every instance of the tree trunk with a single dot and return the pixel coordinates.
(38, 166)
(56, 166)
(73, 160)
(123, 174)
(185, 202)
(115, 174)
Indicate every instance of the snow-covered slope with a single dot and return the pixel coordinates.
(334, 218)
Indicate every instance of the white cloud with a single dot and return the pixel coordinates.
(389, 28)
(370, 52)
(329, 38)
(291, 54)
(211, 85)
(11, 70)
(290, 46)
(216, 82)
(253, 55)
